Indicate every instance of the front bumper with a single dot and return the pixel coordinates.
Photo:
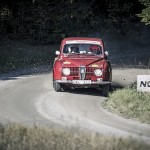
(82, 82)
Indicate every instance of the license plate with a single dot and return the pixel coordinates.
(81, 81)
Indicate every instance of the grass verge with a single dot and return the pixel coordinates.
(130, 103)
(19, 137)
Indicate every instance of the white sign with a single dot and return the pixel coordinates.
(83, 41)
(143, 83)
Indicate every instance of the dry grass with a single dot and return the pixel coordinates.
(19, 137)
(130, 103)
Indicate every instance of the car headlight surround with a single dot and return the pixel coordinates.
(66, 71)
(98, 72)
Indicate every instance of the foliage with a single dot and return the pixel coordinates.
(145, 14)
(49, 22)
(119, 15)
(16, 54)
(19, 137)
(44, 19)
(130, 103)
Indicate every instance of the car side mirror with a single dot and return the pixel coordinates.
(57, 53)
(106, 53)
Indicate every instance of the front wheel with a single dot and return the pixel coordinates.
(57, 86)
(105, 89)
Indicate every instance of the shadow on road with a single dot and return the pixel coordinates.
(8, 78)
(93, 91)
(13, 75)
(85, 91)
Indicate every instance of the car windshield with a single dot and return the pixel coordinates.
(91, 49)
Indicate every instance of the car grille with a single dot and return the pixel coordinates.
(90, 71)
(75, 71)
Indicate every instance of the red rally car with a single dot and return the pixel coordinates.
(82, 62)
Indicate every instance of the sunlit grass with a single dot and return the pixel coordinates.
(130, 103)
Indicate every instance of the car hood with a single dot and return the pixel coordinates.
(82, 60)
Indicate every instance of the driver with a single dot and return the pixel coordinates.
(96, 49)
(73, 49)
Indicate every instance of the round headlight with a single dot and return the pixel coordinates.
(66, 71)
(98, 72)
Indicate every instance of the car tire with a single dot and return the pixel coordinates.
(57, 86)
(105, 89)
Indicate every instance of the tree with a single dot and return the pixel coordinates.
(119, 14)
(145, 14)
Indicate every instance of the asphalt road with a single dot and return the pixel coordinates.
(30, 99)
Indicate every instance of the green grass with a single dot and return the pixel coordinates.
(21, 54)
(130, 103)
(19, 137)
